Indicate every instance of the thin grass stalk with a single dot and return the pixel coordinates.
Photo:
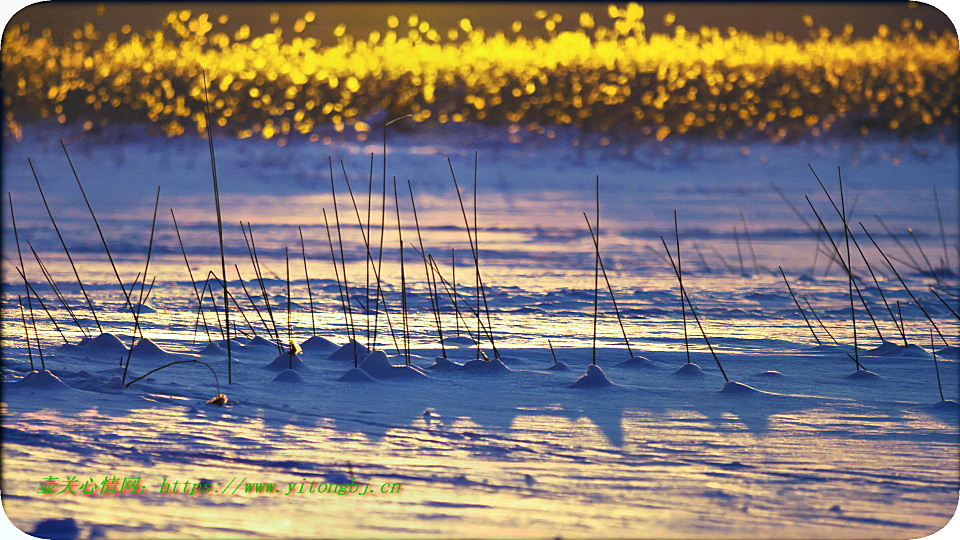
(252, 303)
(913, 264)
(336, 273)
(798, 306)
(426, 272)
(272, 335)
(846, 267)
(923, 254)
(106, 248)
(936, 366)
(65, 249)
(616, 308)
(263, 287)
(436, 303)
(36, 334)
(403, 279)
(26, 333)
(369, 257)
(26, 286)
(904, 283)
(879, 288)
(453, 266)
(366, 243)
(178, 362)
(945, 304)
(683, 310)
(242, 314)
(383, 217)
(552, 352)
(900, 314)
(189, 273)
(819, 321)
(596, 275)
(56, 291)
(683, 291)
(136, 317)
(213, 301)
(303, 251)
(286, 255)
(454, 296)
(196, 319)
(42, 305)
(366, 291)
(216, 196)
(343, 264)
(476, 257)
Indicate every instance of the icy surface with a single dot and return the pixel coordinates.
(490, 447)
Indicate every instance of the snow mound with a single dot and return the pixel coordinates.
(950, 352)
(260, 342)
(57, 529)
(863, 375)
(593, 378)
(71, 348)
(115, 383)
(212, 349)
(356, 375)
(345, 353)
(485, 366)
(738, 388)
(378, 366)
(892, 350)
(637, 362)
(689, 369)
(42, 380)
(947, 405)
(234, 343)
(442, 363)
(288, 376)
(771, 374)
(146, 347)
(104, 343)
(144, 308)
(886, 347)
(284, 361)
(318, 344)
(462, 341)
(559, 366)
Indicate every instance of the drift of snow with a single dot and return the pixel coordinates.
(443, 363)
(318, 344)
(104, 343)
(288, 376)
(285, 361)
(637, 362)
(689, 368)
(347, 352)
(356, 375)
(147, 348)
(593, 378)
(379, 367)
(42, 380)
(492, 366)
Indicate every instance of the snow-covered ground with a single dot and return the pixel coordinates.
(481, 451)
